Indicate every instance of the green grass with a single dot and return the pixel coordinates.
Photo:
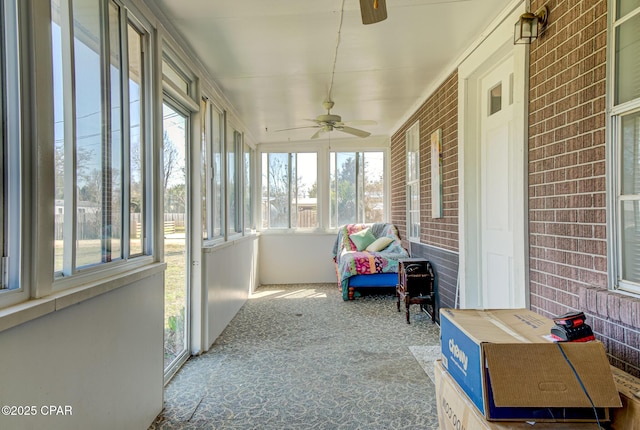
(175, 275)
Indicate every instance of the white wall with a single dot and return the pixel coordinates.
(230, 274)
(296, 258)
(102, 357)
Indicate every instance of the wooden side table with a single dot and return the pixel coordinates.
(416, 285)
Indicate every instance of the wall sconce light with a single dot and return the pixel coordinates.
(530, 26)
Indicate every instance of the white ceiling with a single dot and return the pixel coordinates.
(274, 59)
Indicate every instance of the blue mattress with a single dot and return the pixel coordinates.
(377, 280)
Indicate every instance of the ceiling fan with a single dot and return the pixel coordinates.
(330, 122)
(373, 11)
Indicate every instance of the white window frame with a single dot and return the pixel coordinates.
(72, 275)
(292, 176)
(614, 154)
(360, 160)
(12, 199)
(248, 197)
(233, 145)
(213, 144)
(412, 141)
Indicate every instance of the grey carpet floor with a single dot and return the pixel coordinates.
(299, 357)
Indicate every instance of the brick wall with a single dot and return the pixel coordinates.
(567, 191)
(440, 110)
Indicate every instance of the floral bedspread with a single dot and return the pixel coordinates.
(349, 261)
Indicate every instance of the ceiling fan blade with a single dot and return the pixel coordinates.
(373, 11)
(317, 133)
(361, 122)
(297, 128)
(354, 131)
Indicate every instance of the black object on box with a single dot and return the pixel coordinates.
(571, 327)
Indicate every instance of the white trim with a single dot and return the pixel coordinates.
(497, 44)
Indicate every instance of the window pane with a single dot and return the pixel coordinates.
(205, 175)
(626, 6)
(343, 189)
(218, 177)
(231, 181)
(630, 233)
(276, 203)
(174, 76)
(305, 204)
(630, 136)
(111, 179)
(89, 143)
(58, 130)
(248, 187)
(136, 109)
(373, 198)
(413, 153)
(10, 147)
(628, 60)
(3, 144)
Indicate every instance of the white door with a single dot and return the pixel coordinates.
(496, 186)
(492, 168)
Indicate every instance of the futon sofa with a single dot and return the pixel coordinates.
(366, 256)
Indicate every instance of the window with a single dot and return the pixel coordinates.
(356, 187)
(212, 175)
(289, 190)
(625, 129)
(412, 139)
(247, 181)
(10, 149)
(234, 181)
(100, 83)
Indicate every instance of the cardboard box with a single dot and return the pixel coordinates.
(505, 362)
(456, 412)
(628, 416)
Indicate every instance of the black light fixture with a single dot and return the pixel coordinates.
(530, 26)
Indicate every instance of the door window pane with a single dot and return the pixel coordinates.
(495, 99)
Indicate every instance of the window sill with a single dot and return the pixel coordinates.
(21, 313)
(214, 246)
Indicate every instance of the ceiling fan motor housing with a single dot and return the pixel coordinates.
(329, 118)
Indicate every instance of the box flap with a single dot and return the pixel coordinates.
(501, 325)
(627, 384)
(538, 375)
